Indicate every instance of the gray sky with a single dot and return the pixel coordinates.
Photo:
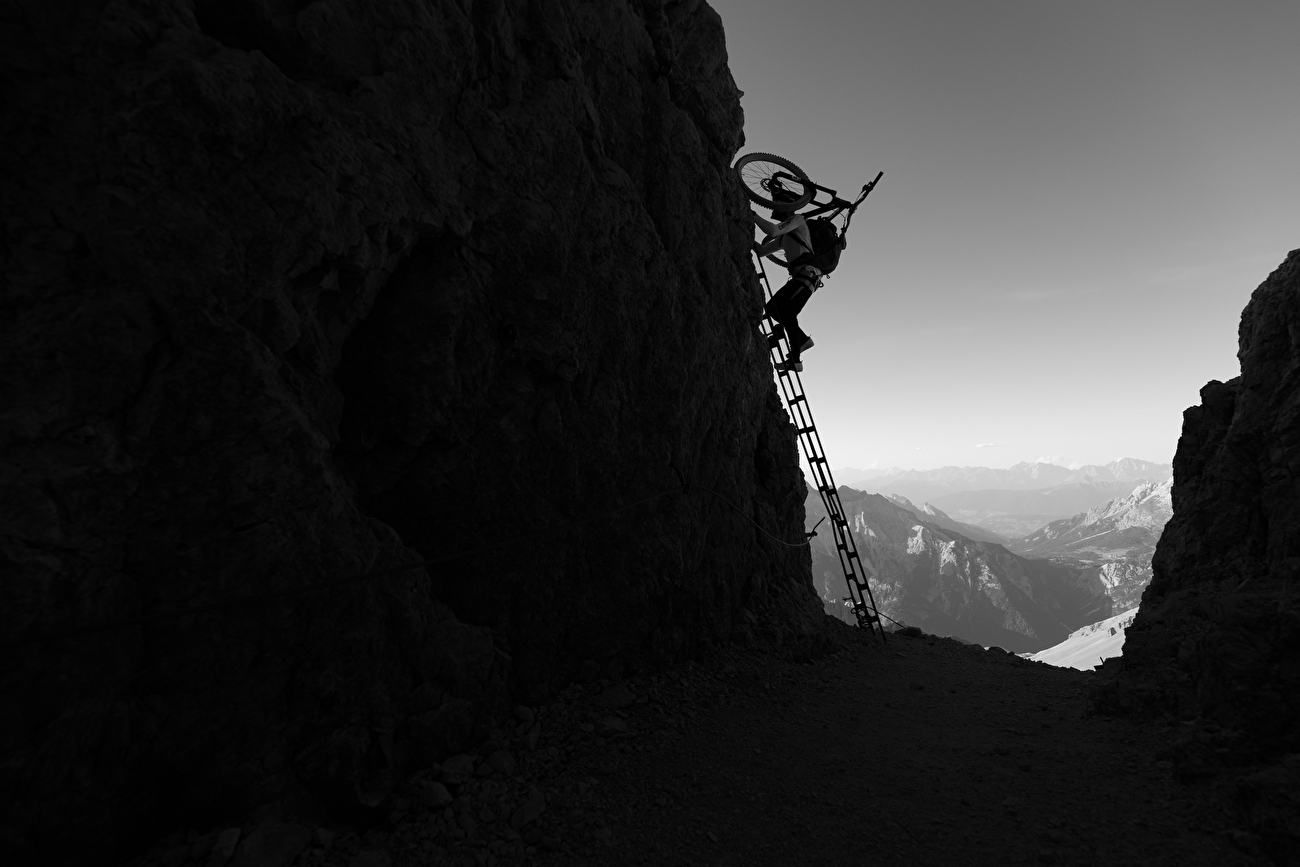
(1079, 198)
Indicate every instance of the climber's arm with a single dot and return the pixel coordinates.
(767, 226)
(773, 231)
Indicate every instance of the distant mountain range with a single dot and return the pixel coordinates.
(929, 513)
(927, 573)
(1023, 477)
(1123, 528)
(1015, 501)
(1117, 538)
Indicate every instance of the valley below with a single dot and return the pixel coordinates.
(953, 573)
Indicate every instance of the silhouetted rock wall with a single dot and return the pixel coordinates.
(300, 292)
(1218, 633)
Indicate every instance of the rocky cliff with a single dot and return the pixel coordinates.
(297, 295)
(1218, 633)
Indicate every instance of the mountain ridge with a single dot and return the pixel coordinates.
(947, 583)
(1145, 512)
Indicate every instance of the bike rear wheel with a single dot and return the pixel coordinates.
(774, 182)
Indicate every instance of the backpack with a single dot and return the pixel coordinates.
(826, 246)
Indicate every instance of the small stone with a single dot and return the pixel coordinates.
(618, 696)
(526, 714)
(529, 811)
(325, 837)
(371, 858)
(587, 727)
(502, 762)
(468, 824)
(227, 840)
(551, 844)
(713, 837)
(434, 795)
(604, 835)
(589, 671)
(530, 739)
(909, 632)
(200, 848)
(611, 726)
(457, 769)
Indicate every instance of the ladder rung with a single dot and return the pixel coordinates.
(809, 429)
(797, 398)
(817, 460)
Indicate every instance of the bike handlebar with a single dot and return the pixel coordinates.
(866, 191)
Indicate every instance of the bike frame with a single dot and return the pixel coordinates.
(835, 206)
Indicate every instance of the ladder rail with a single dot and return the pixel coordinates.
(863, 600)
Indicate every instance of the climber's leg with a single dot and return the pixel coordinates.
(784, 308)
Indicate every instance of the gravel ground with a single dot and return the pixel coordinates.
(927, 751)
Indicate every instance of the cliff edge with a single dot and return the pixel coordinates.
(297, 295)
(1217, 638)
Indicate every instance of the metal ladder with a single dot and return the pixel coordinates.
(796, 402)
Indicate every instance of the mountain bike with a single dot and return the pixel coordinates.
(776, 182)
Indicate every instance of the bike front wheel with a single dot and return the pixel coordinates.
(774, 182)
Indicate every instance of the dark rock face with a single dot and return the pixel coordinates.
(1218, 633)
(297, 293)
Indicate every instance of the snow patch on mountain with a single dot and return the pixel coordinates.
(1089, 646)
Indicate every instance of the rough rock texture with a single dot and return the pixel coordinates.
(300, 292)
(1218, 633)
(927, 574)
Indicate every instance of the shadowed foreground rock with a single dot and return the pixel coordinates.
(926, 752)
(296, 293)
(1218, 633)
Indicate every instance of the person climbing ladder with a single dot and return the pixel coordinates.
(792, 237)
(809, 244)
(780, 185)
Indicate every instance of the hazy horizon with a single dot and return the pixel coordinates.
(1075, 465)
(1078, 200)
